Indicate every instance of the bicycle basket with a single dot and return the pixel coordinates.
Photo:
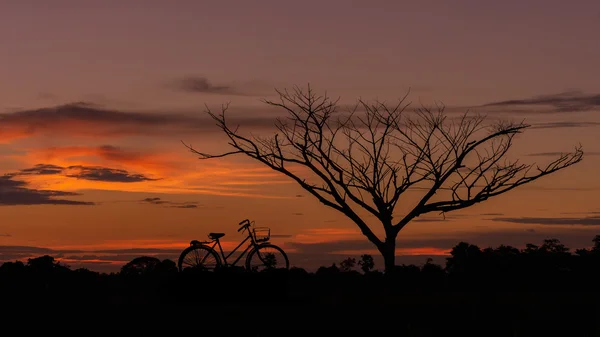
(261, 234)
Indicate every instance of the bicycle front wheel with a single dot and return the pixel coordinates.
(267, 257)
(199, 258)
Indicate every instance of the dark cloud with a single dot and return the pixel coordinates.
(297, 213)
(435, 219)
(546, 188)
(41, 169)
(105, 174)
(557, 154)
(200, 84)
(564, 124)
(561, 102)
(156, 201)
(5, 235)
(86, 120)
(15, 192)
(94, 173)
(579, 221)
(185, 206)
(171, 204)
(89, 120)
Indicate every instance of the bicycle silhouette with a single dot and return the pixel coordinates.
(261, 254)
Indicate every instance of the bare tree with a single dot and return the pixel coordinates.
(366, 159)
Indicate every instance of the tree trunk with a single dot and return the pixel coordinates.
(388, 251)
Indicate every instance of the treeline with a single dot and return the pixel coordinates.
(550, 265)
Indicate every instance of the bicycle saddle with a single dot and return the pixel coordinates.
(215, 236)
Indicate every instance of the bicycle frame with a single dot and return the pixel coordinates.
(248, 248)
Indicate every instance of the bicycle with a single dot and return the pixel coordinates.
(201, 255)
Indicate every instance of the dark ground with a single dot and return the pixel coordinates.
(539, 291)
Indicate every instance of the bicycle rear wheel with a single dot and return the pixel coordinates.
(267, 257)
(199, 258)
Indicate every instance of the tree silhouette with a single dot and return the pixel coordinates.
(369, 157)
(347, 264)
(140, 266)
(596, 241)
(366, 263)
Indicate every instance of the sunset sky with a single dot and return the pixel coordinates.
(96, 97)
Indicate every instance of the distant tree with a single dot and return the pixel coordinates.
(333, 269)
(366, 263)
(167, 266)
(432, 270)
(553, 246)
(530, 248)
(368, 158)
(12, 267)
(142, 265)
(596, 241)
(463, 257)
(348, 264)
(45, 263)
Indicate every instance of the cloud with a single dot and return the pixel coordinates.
(171, 204)
(153, 160)
(5, 235)
(15, 192)
(86, 120)
(94, 173)
(104, 174)
(579, 221)
(41, 169)
(564, 124)
(200, 84)
(436, 219)
(561, 102)
(556, 154)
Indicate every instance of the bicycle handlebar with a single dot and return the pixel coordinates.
(244, 221)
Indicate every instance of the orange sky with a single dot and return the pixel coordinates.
(101, 105)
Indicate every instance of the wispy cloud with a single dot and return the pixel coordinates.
(564, 124)
(561, 102)
(94, 173)
(555, 154)
(16, 192)
(166, 203)
(82, 119)
(5, 235)
(201, 84)
(104, 174)
(576, 221)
